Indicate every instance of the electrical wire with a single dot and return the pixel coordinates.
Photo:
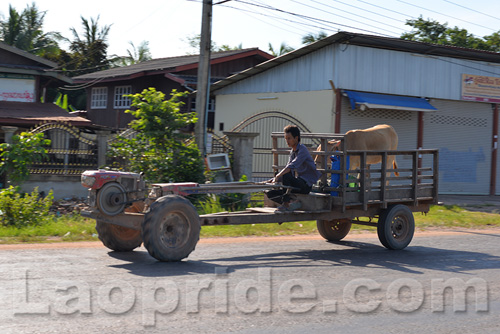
(295, 26)
(82, 86)
(387, 9)
(473, 10)
(350, 14)
(320, 21)
(363, 9)
(433, 11)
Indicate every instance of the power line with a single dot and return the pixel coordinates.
(249, 13)
(363, 9)
(297, 16)
(276, 17)
(433, 11)
(313, 19)
(82, 86)
(351, 14)
(387, 9)
(456, 4)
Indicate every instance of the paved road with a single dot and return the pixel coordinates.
(258, 285)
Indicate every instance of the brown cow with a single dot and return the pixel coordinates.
(378, 138)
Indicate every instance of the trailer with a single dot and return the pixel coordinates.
(166, 222)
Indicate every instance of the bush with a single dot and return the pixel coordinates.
(21, 210)
(161, 150)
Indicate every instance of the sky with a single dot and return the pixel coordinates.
(167, 24)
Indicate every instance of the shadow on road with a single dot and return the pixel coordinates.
(412, 260)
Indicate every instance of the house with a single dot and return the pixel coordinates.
(435, 96)
(24, 81)
(106, 89)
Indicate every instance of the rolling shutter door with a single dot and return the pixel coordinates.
(462, 133)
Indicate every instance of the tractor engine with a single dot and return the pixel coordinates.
(112, 192)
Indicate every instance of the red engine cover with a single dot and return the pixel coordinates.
(103, 176)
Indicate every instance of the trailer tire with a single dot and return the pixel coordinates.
(334, 230)
(171, 228)
(396, 226)
(118, 238)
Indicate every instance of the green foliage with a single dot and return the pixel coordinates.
(430, 31)
(21, 210)
(284, 48)
(89, 50)
(224, 202)
(235, 201)
(210, 204)
(25, 149)
(311, 38)
(135, 56)
(24, 30)
(160, 150)
(62, 101)
(194, 42)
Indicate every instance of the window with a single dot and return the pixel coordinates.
(99, 98)
(121, 101)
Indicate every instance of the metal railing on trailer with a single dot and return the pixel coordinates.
(360, 187)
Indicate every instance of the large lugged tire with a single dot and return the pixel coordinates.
(118, 238)
(171, 228)
(334, 230)
(396, 226)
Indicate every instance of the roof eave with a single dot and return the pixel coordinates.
(28, 55)
(45, 73)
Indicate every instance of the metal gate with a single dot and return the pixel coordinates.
(266, 123)
(70, 152)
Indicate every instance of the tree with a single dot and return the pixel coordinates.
(311, 38)
(284, 48)
(194, 43)
(431, 31)
(25, 31)
(11, 28)
(134, 56)
(160, 150)
(90, 50)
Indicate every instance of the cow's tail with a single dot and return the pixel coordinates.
(395, 166)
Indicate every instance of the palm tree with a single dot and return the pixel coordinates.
(311, 38)
(135, 56)
(90, 50)
(25, 31)
(12, 27)
(284, 48)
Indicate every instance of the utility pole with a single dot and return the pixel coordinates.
(203, 84)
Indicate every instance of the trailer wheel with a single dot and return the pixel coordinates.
(171, 228)
(334, 230)
(118, 238)
(396, 226)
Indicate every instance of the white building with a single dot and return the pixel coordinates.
(435, 96)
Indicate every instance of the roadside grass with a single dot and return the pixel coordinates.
(64, 228)
(77, 228)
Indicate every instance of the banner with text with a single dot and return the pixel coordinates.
(480, 88)
(17, 88)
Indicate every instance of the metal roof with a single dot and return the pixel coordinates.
(371, 41)
(169, 64)
(45, 68)
(17, 113)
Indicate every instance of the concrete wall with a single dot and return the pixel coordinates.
(62, 186)
(312, 108)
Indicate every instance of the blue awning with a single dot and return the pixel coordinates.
(382, 101)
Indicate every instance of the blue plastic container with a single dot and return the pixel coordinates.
(335, 180)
